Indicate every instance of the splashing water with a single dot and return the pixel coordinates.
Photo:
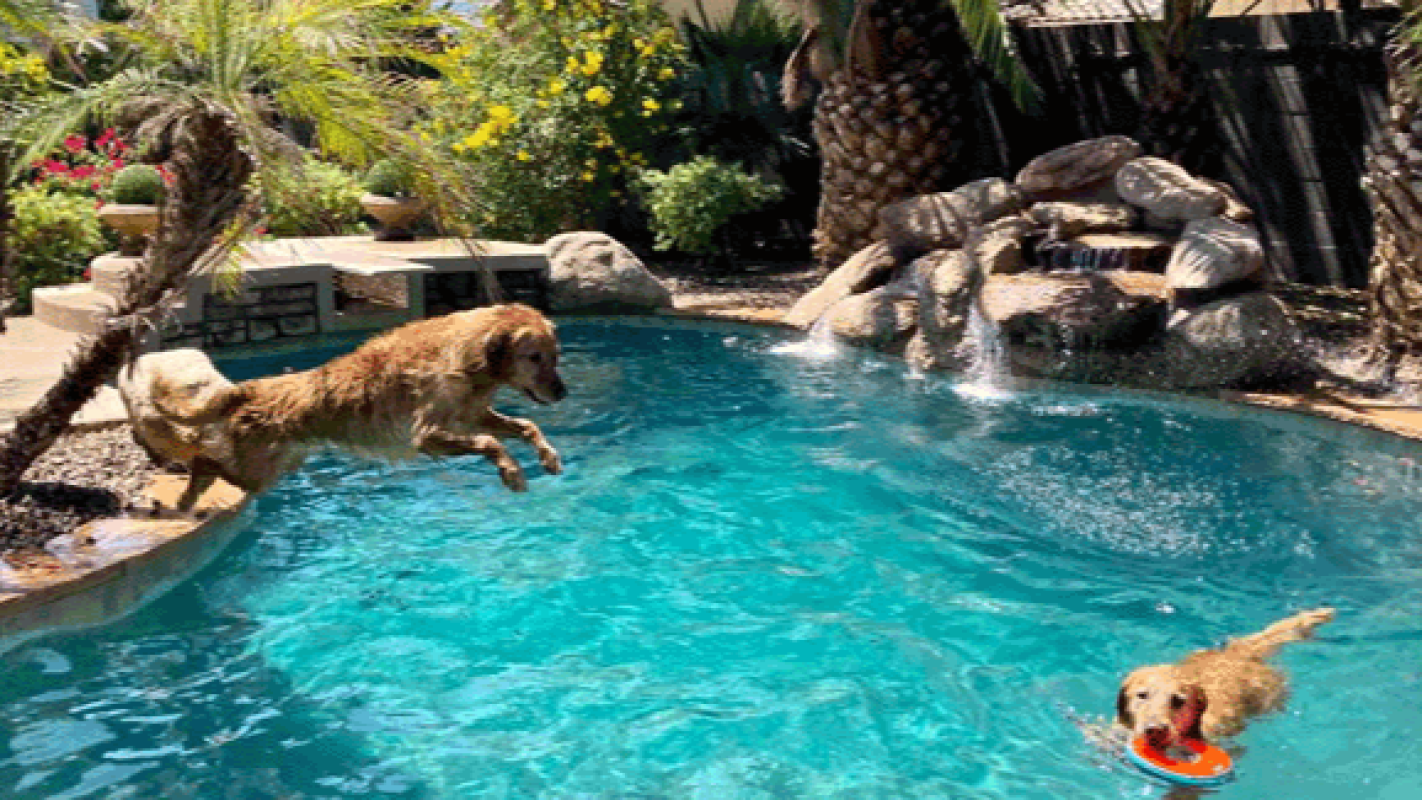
(819, 343)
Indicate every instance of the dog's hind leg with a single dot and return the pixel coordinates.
(201, 476)
(438, 442)
(1265, 643)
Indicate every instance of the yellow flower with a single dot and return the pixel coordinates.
(588, 177)
(523, 155)
(651, 105)
(573, 64)
(594, 63)
(549, 5)
(502, 115)
(599, 95)
(666, 74)
(556, 86)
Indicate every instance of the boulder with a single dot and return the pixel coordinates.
(882, 318)
(1000, 247)
(1077, 168)
(1246, 341)
(947, 283)
(1065, 219)
(865, 270)
(1166, 191)
(942, 221)
(1235, 209)
(1215, 252)
(1076, 310)
(590, 271)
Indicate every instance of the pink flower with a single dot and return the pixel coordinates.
(103, 141)
(82, 171)
(75, 143)
(54, 167)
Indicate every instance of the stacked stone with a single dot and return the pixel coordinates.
(1207, 321)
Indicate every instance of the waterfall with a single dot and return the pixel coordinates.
(988, 376)
(818, 343)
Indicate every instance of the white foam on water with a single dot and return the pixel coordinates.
(819, 344)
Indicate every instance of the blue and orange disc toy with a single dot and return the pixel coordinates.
(1191, 762)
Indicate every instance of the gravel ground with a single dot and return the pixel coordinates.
(85, 476)
(753, 285)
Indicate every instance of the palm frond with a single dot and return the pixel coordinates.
(991, 41)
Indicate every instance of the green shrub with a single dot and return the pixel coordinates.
(318, 199)
(137, 184)
(692, 202)
(552, 105)
(390, 178)
(53, 239)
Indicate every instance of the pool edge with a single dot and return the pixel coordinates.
(109, 568)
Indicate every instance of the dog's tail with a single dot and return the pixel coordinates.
(1268, 641)
(216, 406)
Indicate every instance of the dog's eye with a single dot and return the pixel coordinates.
(536, 358)
(1142, 695)
(1177, 702)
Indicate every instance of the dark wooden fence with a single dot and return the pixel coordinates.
(1297, 99)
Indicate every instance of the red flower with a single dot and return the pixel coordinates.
(53, 167)
(75, 143)
(82, 172)
(103, 141)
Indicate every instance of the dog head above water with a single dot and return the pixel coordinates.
(519, 347)
(1155, 703)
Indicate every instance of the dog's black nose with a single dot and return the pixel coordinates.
(559, 391)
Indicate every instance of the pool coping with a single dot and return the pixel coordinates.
(109, 568)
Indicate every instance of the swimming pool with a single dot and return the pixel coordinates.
(761, 576)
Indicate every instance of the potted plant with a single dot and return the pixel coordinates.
(391, 200)
(132, 207)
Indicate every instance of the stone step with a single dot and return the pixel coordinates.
(77, 307)
(109, 272)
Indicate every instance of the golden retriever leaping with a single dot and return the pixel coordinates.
(425, 387)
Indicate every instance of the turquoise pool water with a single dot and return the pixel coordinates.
(760, 577)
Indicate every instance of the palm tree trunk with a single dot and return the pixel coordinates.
(1177, 117)
(209, 170)
(6, 214)
(891, 121)
(1394, 187)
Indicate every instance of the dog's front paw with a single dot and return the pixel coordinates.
(513, 478)
(551, 461)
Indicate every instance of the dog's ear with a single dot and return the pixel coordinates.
(1194, 712)
(498, 353)
(1123, 708)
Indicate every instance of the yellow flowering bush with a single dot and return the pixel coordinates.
(552, 104)
(21, 73)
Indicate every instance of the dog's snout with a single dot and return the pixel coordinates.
(560, 391)
(1158, 735)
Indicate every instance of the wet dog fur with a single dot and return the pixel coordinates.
(1212, 694)
(425, 387)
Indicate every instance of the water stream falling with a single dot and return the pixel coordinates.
(819, 343)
